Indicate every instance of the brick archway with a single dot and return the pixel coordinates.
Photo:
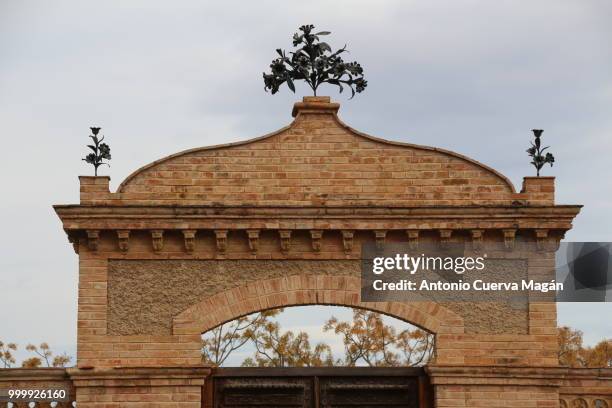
(299, 290)
(211, 234)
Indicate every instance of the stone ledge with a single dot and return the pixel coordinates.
(139, 376)
(33, 374)
(204, 217)
(507, 375)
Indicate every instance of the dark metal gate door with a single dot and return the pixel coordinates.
(333, 387)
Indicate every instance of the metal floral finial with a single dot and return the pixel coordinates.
(315, 63)
(536, 152)
(101, 151)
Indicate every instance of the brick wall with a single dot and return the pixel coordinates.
(162, 387)
(521, 387)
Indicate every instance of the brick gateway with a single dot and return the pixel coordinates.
(207, 235)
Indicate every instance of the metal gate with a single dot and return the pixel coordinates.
(333, 387)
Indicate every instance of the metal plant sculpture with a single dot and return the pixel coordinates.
(536, 152)
(315, 63)
(101, 151)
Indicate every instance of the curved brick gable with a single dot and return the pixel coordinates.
(318, 160)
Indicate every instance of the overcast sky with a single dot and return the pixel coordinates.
(472, 76)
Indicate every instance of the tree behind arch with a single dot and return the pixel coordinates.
(369, 340)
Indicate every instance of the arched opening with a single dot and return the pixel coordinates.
(309, 386)
(317, 356)
(317, 336)
(297, 290)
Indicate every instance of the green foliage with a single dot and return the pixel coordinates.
(314, 62)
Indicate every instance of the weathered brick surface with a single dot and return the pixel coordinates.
(540, 190)
(162, 387)
(592, 387)
(521, 387)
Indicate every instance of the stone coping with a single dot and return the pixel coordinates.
(511, 375)
(33, 374)
(435, 371)
(139, 372)
(74, 215)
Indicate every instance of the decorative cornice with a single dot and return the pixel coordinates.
(445, 237)
(93, 239)
(123, 240)
(545, 239)
(413, 238)
(467, 211)
(347, 240)
(285, 240)
(380, 236)
(73, 238)
(541, 238)
(477, 239)
(157, 239)
(509, 238)
(253, 236)
(316, 218)
(316, 236)
(189, 239)
(221, 239)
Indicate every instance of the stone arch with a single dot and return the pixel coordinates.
(299, 290)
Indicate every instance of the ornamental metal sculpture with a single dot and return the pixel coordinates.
(536, 152)
(101, 151)
(315, 63)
